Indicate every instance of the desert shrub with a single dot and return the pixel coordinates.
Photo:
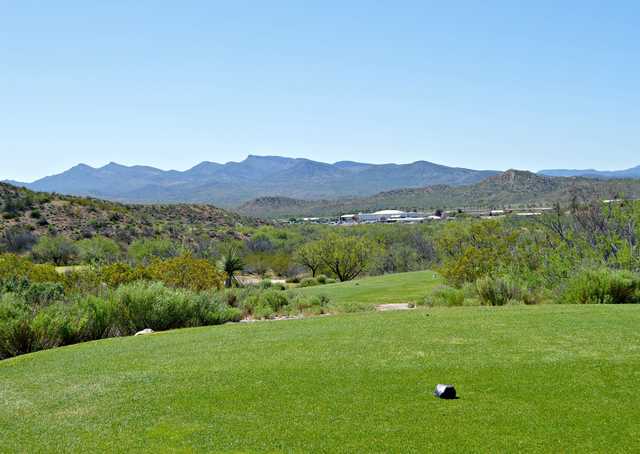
(16, 333)
(117, 274)
(314, 305)
(308, 282)
(498, 291)
(187, 272)
(54, 249)
(274, 299)
(152, 305)
(266, 283)
(444, 295)
(16, 239)
(98, 250)
(13, 266)
(602, 286)
(81, 280)
(42, 293)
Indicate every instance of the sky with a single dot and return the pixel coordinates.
(478, 84)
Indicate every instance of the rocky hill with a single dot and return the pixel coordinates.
(79, 217)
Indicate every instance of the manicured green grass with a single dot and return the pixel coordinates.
(389, 288)
(542, 378)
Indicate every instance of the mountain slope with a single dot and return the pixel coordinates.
(79, 217)
(233, 183)
(511, 188)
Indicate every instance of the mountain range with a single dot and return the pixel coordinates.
(633, 172)
(235, 183)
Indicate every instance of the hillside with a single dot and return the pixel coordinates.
(511, 188)
(547, 378)
(234, 183)
(79, 217)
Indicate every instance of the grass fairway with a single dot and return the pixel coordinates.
(543, 379)
(386, 289)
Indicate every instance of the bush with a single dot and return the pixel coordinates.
(602, 286)
(15, 267)
(308, 282)
(498, 291)
(266, 283)
(322, 279)
(16, 333)
(43, 293)
(121, 273)
(98, 250)
(315, 305)
(54, 249)
(444, 295)
(187, 272)
(17, 239)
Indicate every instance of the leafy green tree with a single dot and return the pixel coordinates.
(230, 263)
(310, 256)
(98, 250)
(347, 256)
(54, 249)
(145, 250)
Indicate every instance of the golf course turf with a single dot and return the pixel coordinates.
(385, 289)
(534, 379)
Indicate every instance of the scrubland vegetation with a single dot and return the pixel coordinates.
(56, 289)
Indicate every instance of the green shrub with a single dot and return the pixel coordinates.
(308, 282)
(498, 291)
(43, 293)
(266, 283)
(444, 295)
(187, 272)
(152, 305)
(98, 250)
(54, 249)
(16, 333)
(322, 279)
(602, 286)
(315, 305)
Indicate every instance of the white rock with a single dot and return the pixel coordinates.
(144, 331)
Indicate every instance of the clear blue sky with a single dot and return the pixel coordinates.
(480, 84)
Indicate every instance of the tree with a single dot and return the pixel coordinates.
(54, 249)
(310, 256)
(346, 256)
(145, 250)
(230, 263)
(98, 250)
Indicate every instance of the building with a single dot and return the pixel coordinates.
(389, 216)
